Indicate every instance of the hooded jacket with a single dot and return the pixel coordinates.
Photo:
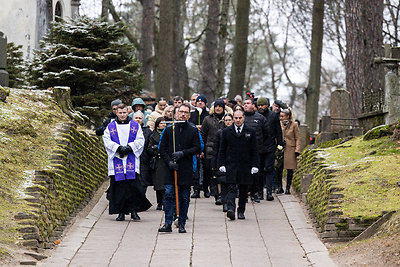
(139, 101)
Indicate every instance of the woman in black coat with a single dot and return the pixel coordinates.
(220, 177)
(145, 175)
(158, 166)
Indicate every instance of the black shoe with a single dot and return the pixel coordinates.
(135, 216)
(280, 190)
(254, 198)
(182, 229)
(241, 216)
(230, 214)
(218, 201)
(225, 208)
(207, 194)
(287, 192)
(261, 196)
(270, 197)
(166, 228)
(196, 194)
(121, 217)
(159, 206)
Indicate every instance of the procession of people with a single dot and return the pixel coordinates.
(229, 149)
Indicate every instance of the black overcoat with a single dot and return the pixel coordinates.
(187, 139)
(159, 166)
(238, 154)
(145, 174)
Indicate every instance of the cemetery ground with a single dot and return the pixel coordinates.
(369, 175)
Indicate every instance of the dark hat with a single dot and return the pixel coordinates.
(219, 102)
(116, 102)
(262, 101)
(202, 98)
(281, 104)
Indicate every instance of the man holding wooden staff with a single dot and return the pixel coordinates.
(178, 143)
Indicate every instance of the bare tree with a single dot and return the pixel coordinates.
(165, 50)
(314, 80)
(146, 40)
(364, 40)
(222, 40)
(210, 52)
(180, 83)
(104, 9)
(239, 59)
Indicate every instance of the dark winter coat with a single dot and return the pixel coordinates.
(274, 131)
(145, 174)
(209, 128)
(102, 128)
(238, 154)
(197, 119)
(187, 140)
(257, 122)
(159, 168)
(221, 177)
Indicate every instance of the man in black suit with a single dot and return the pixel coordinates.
(238, 157)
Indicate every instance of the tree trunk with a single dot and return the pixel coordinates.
(314, 80)
(165, 51)
(146, 42)
(104, 10)
(180, 80)
(364, 39)
(210, 51)
(239, 59)
(223, 34)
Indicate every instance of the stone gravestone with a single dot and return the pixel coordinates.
(304, 136)
(392, 94)
(340, 110)
(3, 60)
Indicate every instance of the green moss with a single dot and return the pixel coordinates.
(378, 132)
(330, 143)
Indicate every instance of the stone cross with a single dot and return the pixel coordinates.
(3, 60)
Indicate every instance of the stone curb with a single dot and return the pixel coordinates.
(315, 250)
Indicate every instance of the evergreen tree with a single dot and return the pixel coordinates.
(86, 55)
(15, 65)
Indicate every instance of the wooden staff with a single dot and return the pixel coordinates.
(175, 171)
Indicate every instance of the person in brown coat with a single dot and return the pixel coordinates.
(290, 132)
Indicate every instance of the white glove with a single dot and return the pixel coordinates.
(222, 169)
(254, 170)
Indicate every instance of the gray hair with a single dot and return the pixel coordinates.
(139, 112)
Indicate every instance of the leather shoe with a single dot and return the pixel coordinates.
(270, 197)
(254, 198)
(207, 194)
(135, 216)
(225, 208)
(241, 216)
(218, 201)
(182, 229)
(230, 214)
(166, 228)
(159, 206)
(287, 192)
(280, 190)
(196, 194)
(121, 217)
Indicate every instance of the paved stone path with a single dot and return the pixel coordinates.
(273, 234)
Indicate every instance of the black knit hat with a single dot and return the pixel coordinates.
(219, 102)
(202, 98)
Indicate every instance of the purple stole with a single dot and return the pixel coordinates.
(130, 162)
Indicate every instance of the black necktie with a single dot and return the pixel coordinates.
(238, 131)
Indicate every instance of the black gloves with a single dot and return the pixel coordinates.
(173, 166)
(177, 155)
(297, 154)
(124, 150)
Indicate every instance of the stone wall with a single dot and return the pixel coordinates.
(78, 168)
(316, 183)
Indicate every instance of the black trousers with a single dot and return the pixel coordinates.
(269, 170)
(207, 174)
(231, 196)
(258, 183)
